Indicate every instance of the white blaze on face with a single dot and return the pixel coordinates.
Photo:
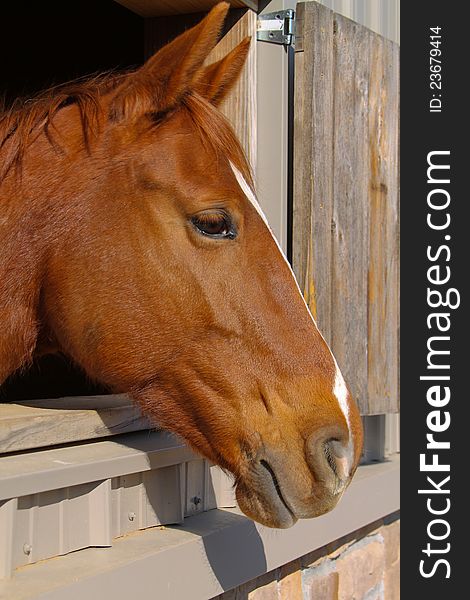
(339, 387)
(341, 392)
(251, 197)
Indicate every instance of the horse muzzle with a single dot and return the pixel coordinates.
(278, 491)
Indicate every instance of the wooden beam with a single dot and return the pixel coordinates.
(44, 423)
(158, 8)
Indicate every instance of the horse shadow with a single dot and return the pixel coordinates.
(232, 546)
(233, 549)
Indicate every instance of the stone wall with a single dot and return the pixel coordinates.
(364, 565)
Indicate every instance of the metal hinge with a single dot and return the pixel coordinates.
(277, 27)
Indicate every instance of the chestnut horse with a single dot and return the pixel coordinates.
(132, 242)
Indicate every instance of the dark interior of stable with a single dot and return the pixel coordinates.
(44, 45)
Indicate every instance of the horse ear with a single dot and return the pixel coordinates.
(216, 80)
(169, 74)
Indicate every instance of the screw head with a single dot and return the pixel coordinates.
(27, 549)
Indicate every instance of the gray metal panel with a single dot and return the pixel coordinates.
(56, 522)
(271, 172)
(272, 129)
(66, 499)
(34, 472)
(218, 549)
(8, 509)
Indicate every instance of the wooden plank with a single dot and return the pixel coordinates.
(383, 284)
(313, 160)
(42, 423)
(350, 210)
(157, 8)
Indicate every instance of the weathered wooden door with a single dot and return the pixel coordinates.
(345, 213)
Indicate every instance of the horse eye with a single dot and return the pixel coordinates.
(215, 224)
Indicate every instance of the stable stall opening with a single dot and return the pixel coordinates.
(54, 44)
(51, 376)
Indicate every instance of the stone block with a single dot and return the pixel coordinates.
(391, 536)
(392, 582)
(290, 581)
(268, 591)
(361, 568)
(322, 587)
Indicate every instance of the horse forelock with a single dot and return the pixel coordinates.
(214, 129)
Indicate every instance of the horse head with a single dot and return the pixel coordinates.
(134, 243)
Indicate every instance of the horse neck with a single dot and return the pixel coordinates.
(27, 231)
(19, 299)
(19, 288)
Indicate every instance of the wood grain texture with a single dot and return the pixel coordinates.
(44, 423)
(313, 162)
(156, 8)
(350, 238)
(345, 239)
(383, 194)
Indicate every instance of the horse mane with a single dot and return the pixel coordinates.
(24, 120)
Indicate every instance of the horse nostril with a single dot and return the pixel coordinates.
(337, 456)
(329, 457)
